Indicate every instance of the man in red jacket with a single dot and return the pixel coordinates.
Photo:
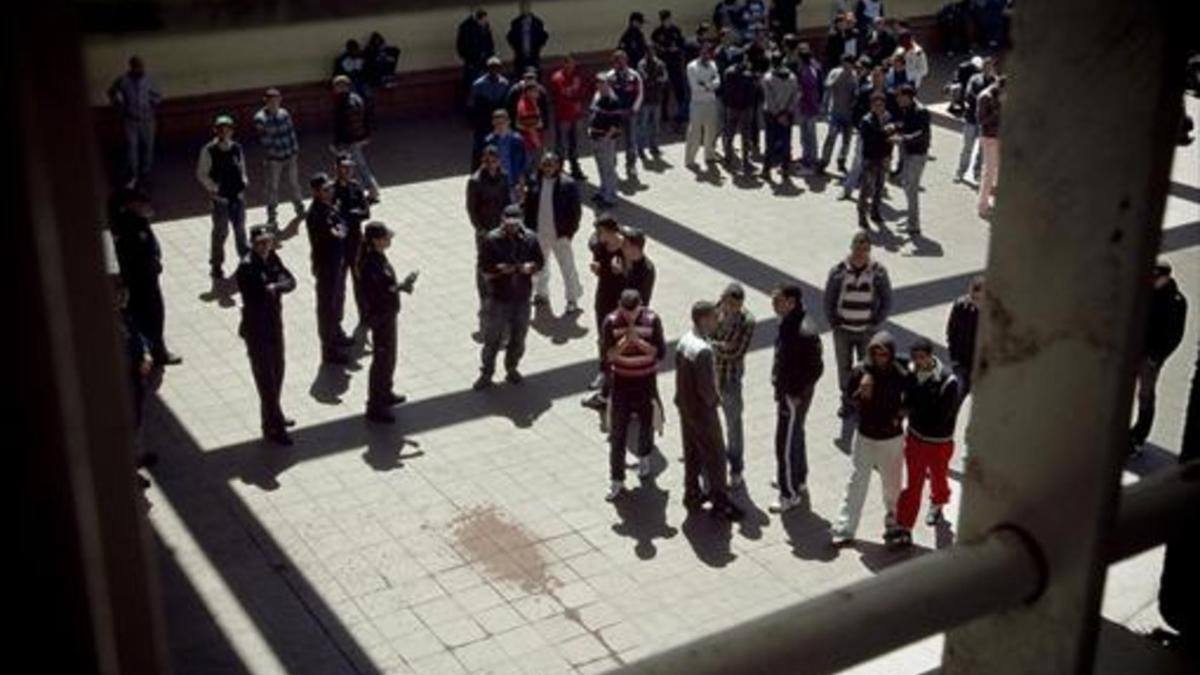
(570, 93)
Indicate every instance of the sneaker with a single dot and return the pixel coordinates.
(897, 538)
(514, 377)
(644, 467)
(482, 383)
(785, 504)
(596, 401)
(288, 422)
(614, 490)
(935, 517)
(736, 481)
(840, 538)
(572, 307)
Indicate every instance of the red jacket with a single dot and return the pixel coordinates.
(570, 93)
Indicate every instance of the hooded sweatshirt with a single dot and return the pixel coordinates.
(880, 416)
(933, 404)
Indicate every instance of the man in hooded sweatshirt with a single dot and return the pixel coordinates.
(932, 412)
(880, 386)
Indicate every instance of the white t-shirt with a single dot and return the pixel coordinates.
(546, 224)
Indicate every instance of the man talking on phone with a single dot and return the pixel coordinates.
(508, 259)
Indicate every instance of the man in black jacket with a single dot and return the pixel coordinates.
(876, 154)
(669, 46)
(351, 131)
(912, 133)
(961, 330)
(488, 192)
(527, 36)
(640, 273)
(739, 95)
(932, 404)
(607, 264)
(633, 40)
(381, 295)
(1164, 331)
(552, 210)
(262, 280)
(797, 366)
(327, 238)
(509, 258)
(354, 207)
(140, 261)
(474, 45)
(880, 385)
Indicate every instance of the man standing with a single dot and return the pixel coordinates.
(880, 386)
(916, 64)
(221, 169)
(354, 208)
(527, 36)
(569, 91)
(808, 105)
(653, 72)
(961, 330)
(475, 46)
(488, 192)
(639, 272)
(633, 346)
(797, 366)
(277, 134)
(627, 87)
(510, 149)
(381, 292)
(327, 238)
(730, 342)
(603, 128)
(858, 298)
(140, 260)
(739, 94)
(987, 114)
(780, 92)
(841, 87)
(262, 280)
(135, 99)
(875, 131)
(862, 107)
(974, 87)
(704, 80)
(1164, 331)
(932, 404)
(669, 45)
(350, 132)
(552, 211)
(488, 94)
(912, 133)
(606, 246)
(633, 40)
(697, 398)
(508, 260)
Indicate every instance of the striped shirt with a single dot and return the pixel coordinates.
(277, 133)
(856, 302)
(630, 363)
(731, 341)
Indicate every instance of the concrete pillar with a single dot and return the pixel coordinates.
(1087, 141)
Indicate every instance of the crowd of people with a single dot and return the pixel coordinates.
(742, 77)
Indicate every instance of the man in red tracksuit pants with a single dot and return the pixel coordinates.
(929, 443)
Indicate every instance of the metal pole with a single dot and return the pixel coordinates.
(1085, 173)
(1155, 508)
(900, 605)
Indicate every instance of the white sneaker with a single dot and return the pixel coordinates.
(785, 504)
(614, 491)
(736, 481)
(644, 468)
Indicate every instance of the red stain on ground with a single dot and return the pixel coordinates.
(505, 550)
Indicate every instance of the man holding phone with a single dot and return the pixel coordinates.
(508, 259)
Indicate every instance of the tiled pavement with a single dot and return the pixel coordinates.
(471, 536)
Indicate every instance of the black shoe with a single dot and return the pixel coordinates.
(596, 401)
(876, 217)
(143, 482)
(482, 383)
(336, 359)
(397, 399)
(380, 417)
(729, 511)
(862, 222)
(279, 438)
(148, 459)
(597, 382)
(288, 422)
(514, 377)
(897, 538)
(842, 167)
(694, 502)
(168, 359)
(344, 341)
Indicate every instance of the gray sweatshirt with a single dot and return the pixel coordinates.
(780, 92)
(841, 91)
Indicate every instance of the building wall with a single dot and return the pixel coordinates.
(197, 64)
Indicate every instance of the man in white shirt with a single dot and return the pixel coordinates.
(704, 79)
(553, 209)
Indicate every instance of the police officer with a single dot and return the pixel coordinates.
(262, 280)
(140, 260)
(327, 237)
(381, 303)
(355, 209)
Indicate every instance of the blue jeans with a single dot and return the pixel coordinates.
(226, 212)
(647, 128)
(914, 166)
(970, 136)
(606, 166)
(855, 173)
(838, 126)
(808, 140)
(732, 406)
(502, 317)
(791, 456)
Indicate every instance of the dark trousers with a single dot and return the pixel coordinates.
(871, 187)
(676, 73)
(962, 373)
(703, 453)
(629, 398)
(791, 455)
(266, 363)
(606, 387)
(353, 240)
(383, 362)
(500, 317)
(1147, 382)
(739, 121)
(331, 301)
(779, 143)
(226, 214)
(146, 309)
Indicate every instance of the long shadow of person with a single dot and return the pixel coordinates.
(808, 534)
(560, 329)
(709, 174)
(884, 238)
(643, 513)
(746, 181)
(386, 452)
(920, 246)
(709, 537)
(522, 405)
(265, 464)
(817, 183)
(877, 557)
(331, 382)
(751, 525)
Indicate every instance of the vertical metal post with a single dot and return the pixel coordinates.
(88, 589)
(1087, 141)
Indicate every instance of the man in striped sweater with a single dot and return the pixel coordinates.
(858, 298)
(633, 346)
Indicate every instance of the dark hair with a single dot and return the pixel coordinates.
(637, 16)
(878, 96)
(664, 14)
(791, 291)
(701, 309)
(734, 290)
(634, 236)
(480, 13)
(351, 44)
(607, 222)
(848, 58)
(976, 283)
(907, 90)
(630, 298)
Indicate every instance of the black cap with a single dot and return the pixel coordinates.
(320, 181)
(261, 232)
(921, 344)
(344, 158)
(630, 298)
(637, 16)
(664, 13)
(377, 230)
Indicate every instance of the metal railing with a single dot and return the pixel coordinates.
(922, 597)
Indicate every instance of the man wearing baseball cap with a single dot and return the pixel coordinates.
(508, 259)
(327, 238)
(221, 169)
(262, 280)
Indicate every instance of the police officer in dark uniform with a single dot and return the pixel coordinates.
(140, 260)
(262, 280)
(381, 302)
(327, 237)
(355, 209)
